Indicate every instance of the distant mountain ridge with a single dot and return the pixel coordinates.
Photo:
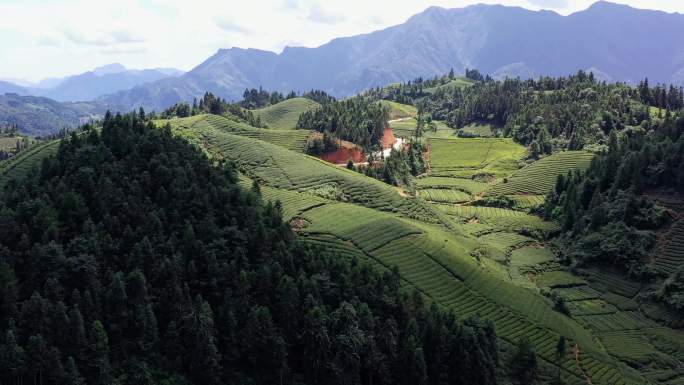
(35, 115)
(617, 42)
(11, 88)
(91, 85)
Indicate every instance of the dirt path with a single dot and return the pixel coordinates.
(576, 351)
(398, 120)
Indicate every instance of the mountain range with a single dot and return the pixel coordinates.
(616, 42)
(39, 116)
(90, 85)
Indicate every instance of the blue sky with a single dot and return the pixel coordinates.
(51, 38)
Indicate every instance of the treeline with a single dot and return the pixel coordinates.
(398, 168)
(549, 113)
(359, 120)
(9, 130)
(210, 104)
(259, 98)
(414, 90)
(606, 218)
(661, 96)
(128, 258)
(253, 98)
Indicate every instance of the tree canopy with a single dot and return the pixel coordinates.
(129, 258)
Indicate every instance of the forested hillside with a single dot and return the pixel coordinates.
(40, 116)
(129, 258)
(358, 120)
(611, 214)
(547, 114)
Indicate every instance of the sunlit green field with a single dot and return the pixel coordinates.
(285, 114)
(474, 260)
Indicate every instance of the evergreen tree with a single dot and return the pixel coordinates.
(524, 363)
(99, 367)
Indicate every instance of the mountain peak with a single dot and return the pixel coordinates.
(603, 4)
(109, 69)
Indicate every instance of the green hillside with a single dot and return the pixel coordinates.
(465, 232)
(285, 114)
(363, 218)
(539, 177)
(406, 128)
(474, 261)
(459, 82)
(295, 140)
(19, 165)
(400, 111)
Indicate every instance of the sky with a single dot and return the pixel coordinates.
(53, 38)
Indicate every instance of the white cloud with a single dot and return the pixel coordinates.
(108, 38)
(319, 14)
(552, 4)
(174, 33)
(231, 26)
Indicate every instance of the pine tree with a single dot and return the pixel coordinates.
(77, 334)
(36, 355)
(12, 357)
(73, 376)
(560, 354)
(524, 362)
(99, 372)
(204, 360)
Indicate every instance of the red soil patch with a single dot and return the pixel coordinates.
(388, 138)
(343, 155)
(349, 151)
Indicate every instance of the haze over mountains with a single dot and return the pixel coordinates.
(617, 42)
(90, 85)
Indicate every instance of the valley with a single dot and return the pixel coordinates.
(369, 211)
(451, 241)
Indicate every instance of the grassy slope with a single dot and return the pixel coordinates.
(19, 165)
(365, 218)
(361, 217)
(612, 319)
(479, 129)
(406, 128)
(295, 140)
(279, 167)
(285, 114)
(460, 155)
(458, 82)
(400, 111)
(539, 177)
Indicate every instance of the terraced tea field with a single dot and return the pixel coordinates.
(285, 114)
(497, 219)
(483, 155)
(281, 168)
(459, 82)
(462, 169)
(406, 128)
(510, 247)
(470, 186)
(418, 248)
(670, 255)
(474, 260)
(360, 217)
(22, 163)
(540, 177)
(400, 111)
(295, 140)
(477, 130)
(444, 195)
